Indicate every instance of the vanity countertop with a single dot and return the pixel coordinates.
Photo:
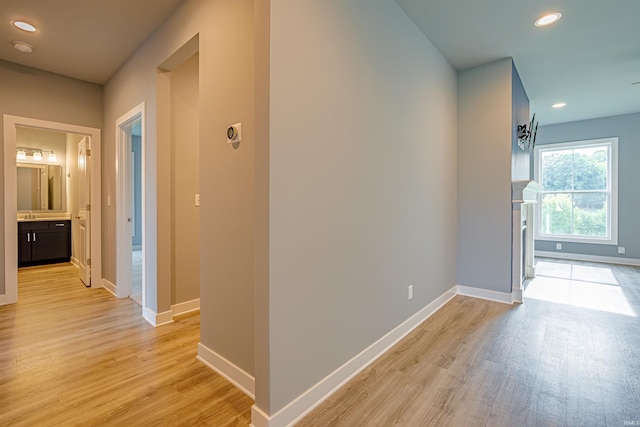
(45, 217)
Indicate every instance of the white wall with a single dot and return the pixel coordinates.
(362, 188)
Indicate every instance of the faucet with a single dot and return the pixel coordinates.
(31, 215)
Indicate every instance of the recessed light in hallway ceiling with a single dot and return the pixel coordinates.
(547, 19)
(559, 105)
(22, 46)
(24, 26)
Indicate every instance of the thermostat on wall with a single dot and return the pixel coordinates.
(234, 133)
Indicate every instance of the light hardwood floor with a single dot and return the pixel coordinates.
(482, 363)
(76, 356)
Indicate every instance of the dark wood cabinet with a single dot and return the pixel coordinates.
(43, 242)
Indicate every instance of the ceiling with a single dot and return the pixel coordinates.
(84, 39)
(589, 59)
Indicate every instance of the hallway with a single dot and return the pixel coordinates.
(76, 356)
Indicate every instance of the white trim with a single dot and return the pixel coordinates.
(2, 300)
(75, 262)
(233, 374)
(307, 401)
(470, 291)
(185, 307)
(10, 198)
(123, 200)
(157, 319)
(612, 214)
(258, 418)
(589, 258)
(110, 287)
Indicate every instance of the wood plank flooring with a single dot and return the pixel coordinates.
(76, 356)
(479, 363)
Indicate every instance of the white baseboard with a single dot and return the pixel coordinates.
(318, 393)
(185, 307)
(75, 262)
(470, 291)
(110, 287)
(2, 300)
(235, 375)
(157, 319)
(589, 258)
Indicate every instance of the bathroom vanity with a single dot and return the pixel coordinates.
(43, 241)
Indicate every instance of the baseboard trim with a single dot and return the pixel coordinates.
(589, 258)
(470, 291)
(2, 300)
(233, 374)
(75, 262)
(185, 307)
(157, 319)
(318, 393)
(110, 287)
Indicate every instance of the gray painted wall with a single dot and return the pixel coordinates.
(520, 159)
(40, 95)
(225, 29)
(485, 141)
(185, 158)
(362, 195)
(627, 129)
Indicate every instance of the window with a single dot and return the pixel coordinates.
(579, 200)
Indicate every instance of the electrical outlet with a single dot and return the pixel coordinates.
(410, 294)
(558, 246)
(109, 201)
(622, 250)
(197, 200)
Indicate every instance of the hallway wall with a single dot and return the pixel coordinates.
(32, 93)
(225, 30)
(362, 193)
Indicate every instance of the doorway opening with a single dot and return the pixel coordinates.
(130, 213)
(14, 125)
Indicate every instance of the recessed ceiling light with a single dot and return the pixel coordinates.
(559, 105)
(25, 26)
(547, 19)
(22, 46)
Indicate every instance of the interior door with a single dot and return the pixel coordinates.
(84, 210)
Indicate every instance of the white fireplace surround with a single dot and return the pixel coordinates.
(524, 194)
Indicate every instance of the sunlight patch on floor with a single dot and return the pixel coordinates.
(583, 273)
(586, 294)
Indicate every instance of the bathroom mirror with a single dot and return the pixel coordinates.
(40, 187)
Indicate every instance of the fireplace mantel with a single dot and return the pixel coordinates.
(523, 196)
(525, 191)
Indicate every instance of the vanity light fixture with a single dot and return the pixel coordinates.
(23, 47)
(547, 19)
(21, 155)
(37, 155)
(24, 26)
(52, 157)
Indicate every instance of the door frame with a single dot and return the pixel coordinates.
(123, 200)
(10, 197)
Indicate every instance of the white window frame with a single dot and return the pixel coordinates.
(612, 215)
